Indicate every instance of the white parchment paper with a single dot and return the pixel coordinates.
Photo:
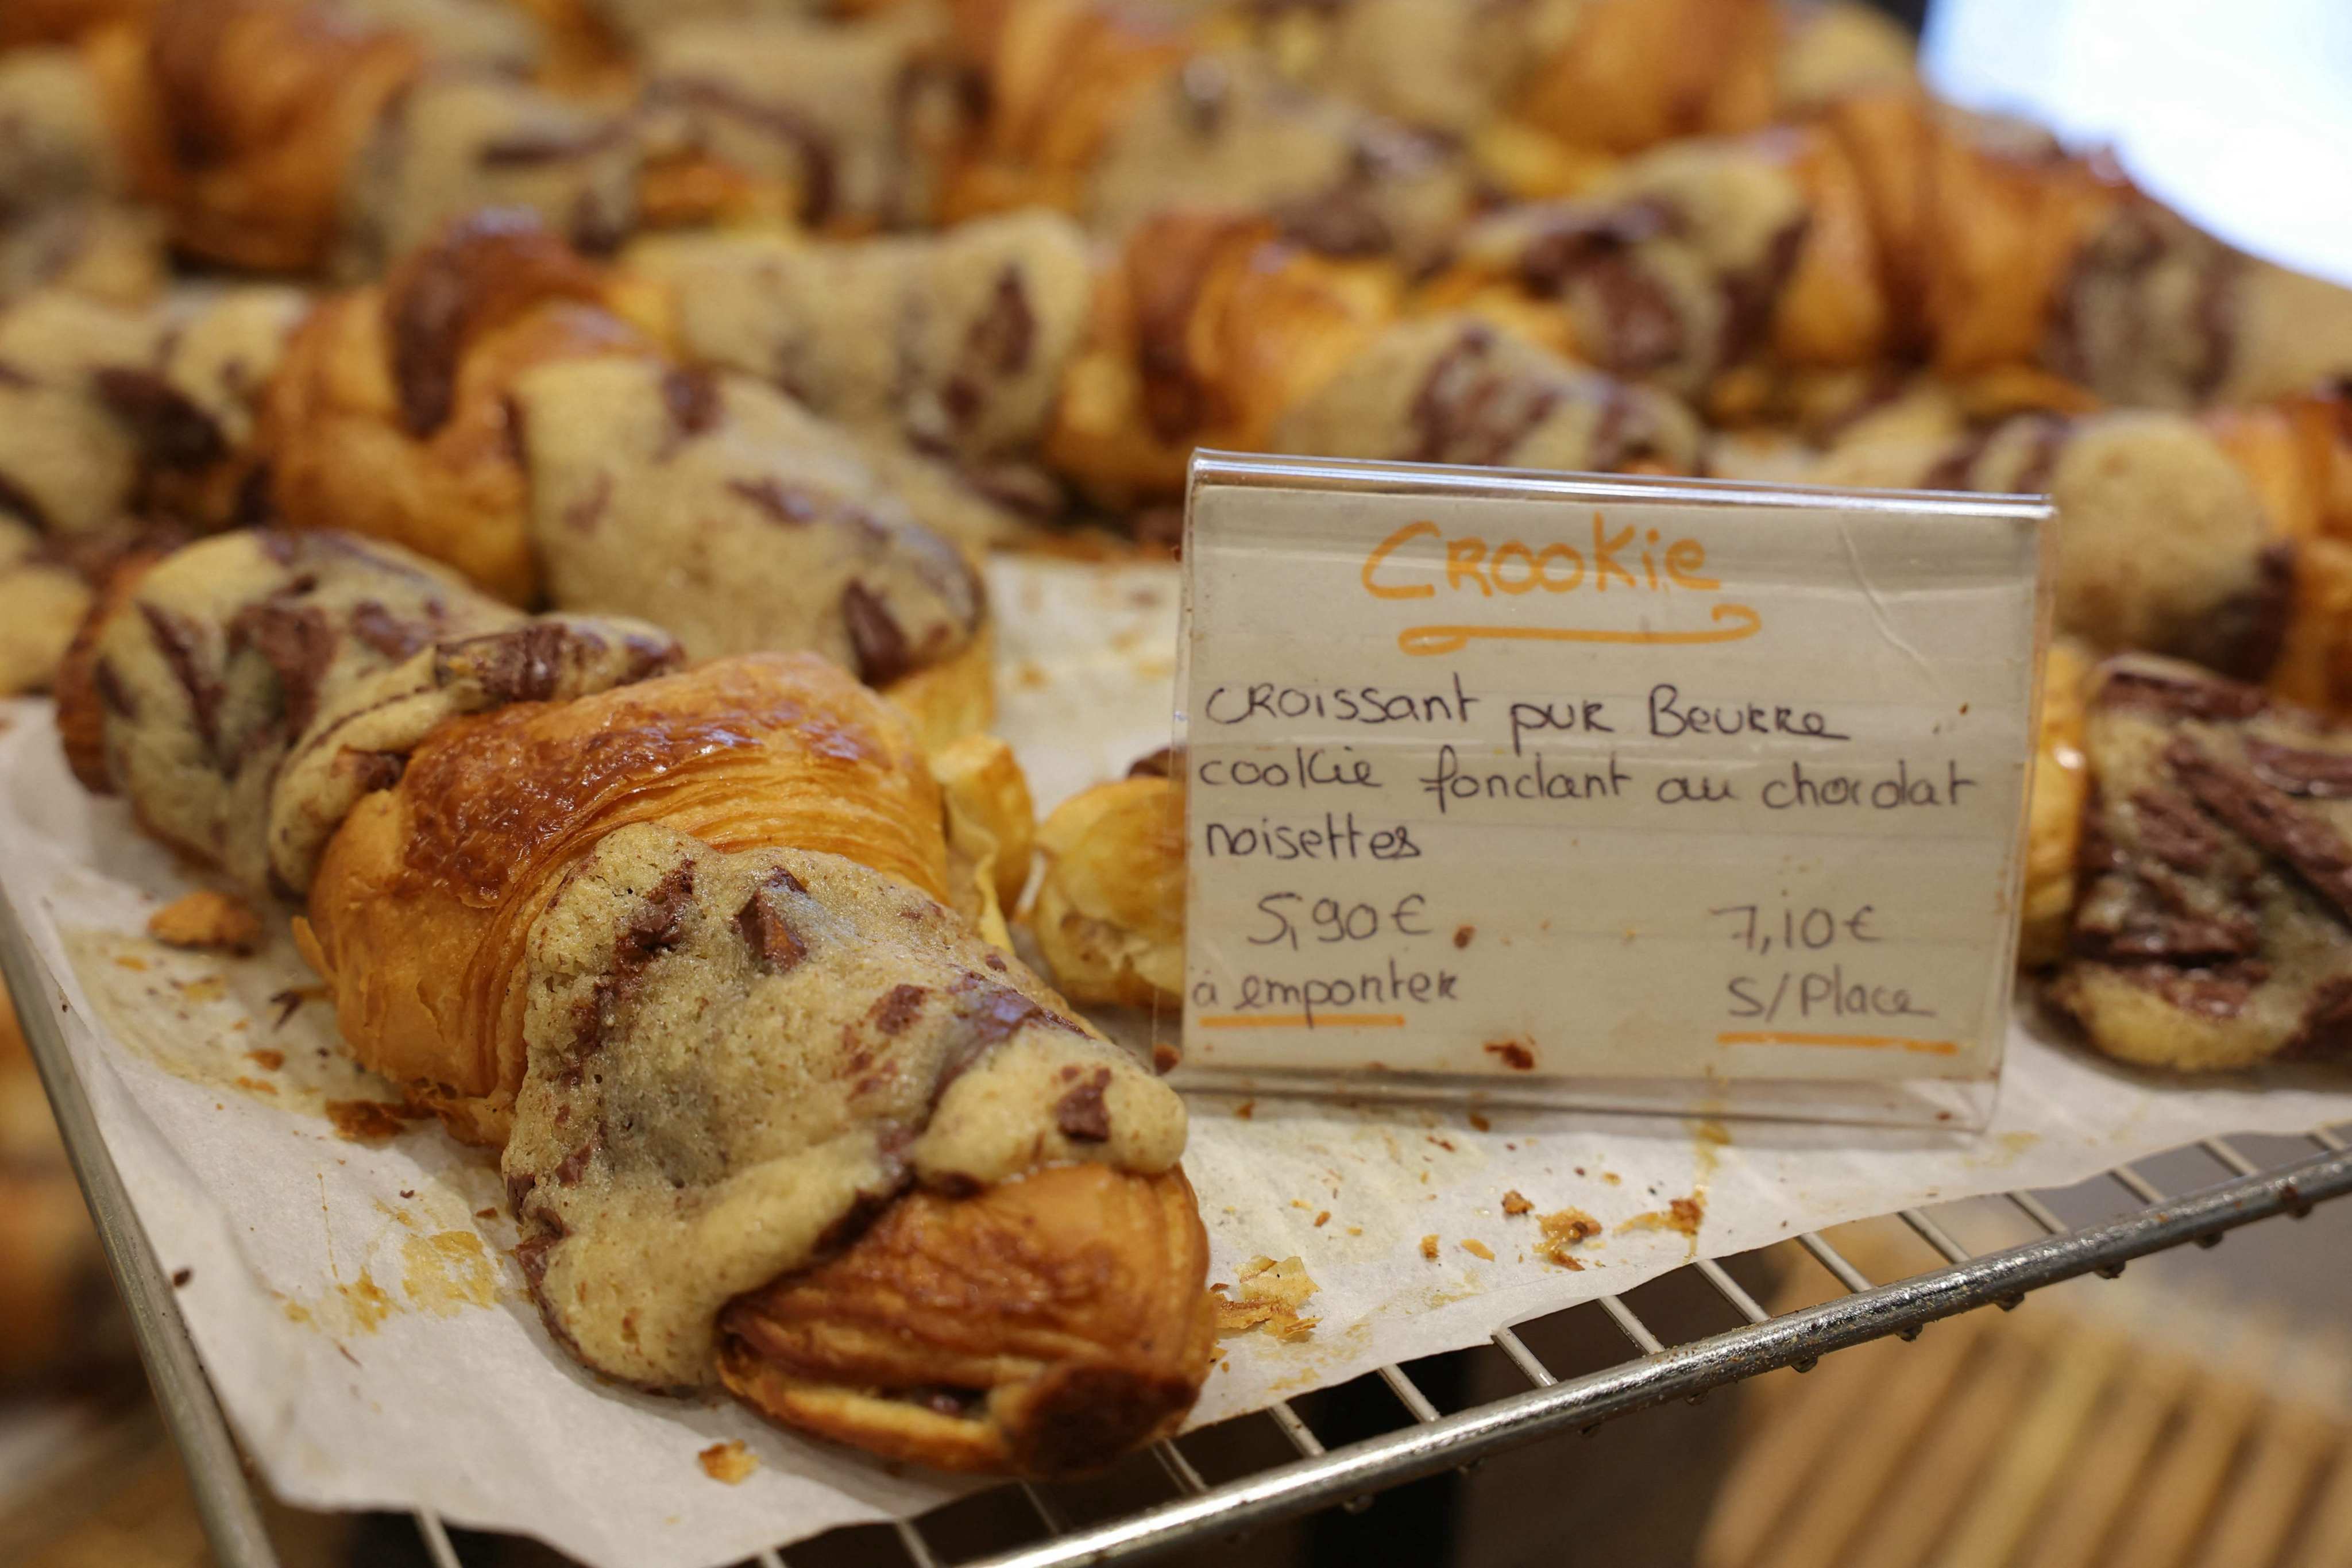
(371, 1339)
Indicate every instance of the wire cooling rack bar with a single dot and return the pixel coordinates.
(1872, 1312)
(1428, 1444)
(191, 1414)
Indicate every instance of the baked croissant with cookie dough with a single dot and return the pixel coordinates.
(504, 406)
(1886, 226)
(684, 946)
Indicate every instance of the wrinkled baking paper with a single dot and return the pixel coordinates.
(368, 1330)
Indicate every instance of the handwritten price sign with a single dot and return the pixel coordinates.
(1518, 778)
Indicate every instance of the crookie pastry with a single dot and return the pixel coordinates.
(685, 945)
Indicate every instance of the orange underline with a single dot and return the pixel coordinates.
(1864, 1042)
(1423, 641)
(1301, 1021)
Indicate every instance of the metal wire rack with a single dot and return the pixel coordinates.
(1430, 1443)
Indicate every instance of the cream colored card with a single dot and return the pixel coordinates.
(1527, 777)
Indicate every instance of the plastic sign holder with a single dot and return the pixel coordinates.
(1627, 793)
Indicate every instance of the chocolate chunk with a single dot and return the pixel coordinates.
(659, 926)
(2178, 694)
(875, 639)
(809, 143)
(1468, 411)
(111, 692)
(1751, 296)
(575, 1165)
(172, 429)
(425, 322)
(535, 149)
(2269, 819)
(691, 398)
(256, 505)
(524, 665)
(2291, 769)
(297, 643)
(1571, 239)
(2327, 1028)
(585, 512)
(786, 504)
(2241, 636)
(1640, 328)
(1003, 336)
(177, 638)
(2174, 831)
(2212, 993)
(1341, 222)
(1081, 1114)
(376, 770)
(898, 1008)
(1019, 487)
(386, 633)
(765, 927)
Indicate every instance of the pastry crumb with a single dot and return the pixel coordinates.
(207, 920)
(268, 1061)
(1565, 1228)
(1682, 1215)
(365, 1120)
(729, 1461)
(1476, 1248)
(1322, 1219)
(1479, 1123)
(1429, 1246)
(1246, 1110)
(1267, 1295)
(1515, 1202)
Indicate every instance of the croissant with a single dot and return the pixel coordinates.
(1205, 333)
(534, 863)
(1893, 226)
(246, 691)
(1108, 915)
(1104, 113)
(2163, 541)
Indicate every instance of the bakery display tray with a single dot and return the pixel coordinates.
(1429, 1442)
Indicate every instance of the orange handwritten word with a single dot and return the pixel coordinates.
(1653, 566)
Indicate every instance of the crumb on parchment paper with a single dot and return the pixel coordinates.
(1563, 1230)
(1429, 1246)
(365, 1120)
(208, 919)
(1515, 1202)
(1682, 1215)
(1477, 1249)
(729, 1461)
(1267, 1295)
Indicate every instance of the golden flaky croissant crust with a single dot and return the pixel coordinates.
(954, 1333)
(424, 902)
(393, 415)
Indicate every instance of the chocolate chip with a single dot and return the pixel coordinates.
(2291, 770)
(177, 638)
(534, 149)
(587, 511)
(2268, 819)
(2242, 636)
(2178, 694)
(2173, 830)
(575, 1165)
(1003, 338)
(524, 665)
(690, 394)
(1469, 411)
(786, 504)
(765, 927)
(111, 692)
(1081, 1114)
(376, 770)
(875, 639)
(898, 1008)
(172, 429)
(297, 643)
(386, 633)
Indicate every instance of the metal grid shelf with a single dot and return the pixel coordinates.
(1320, 1477)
